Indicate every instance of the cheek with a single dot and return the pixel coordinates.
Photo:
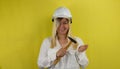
(67, 26)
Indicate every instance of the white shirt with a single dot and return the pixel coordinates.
(72, 60)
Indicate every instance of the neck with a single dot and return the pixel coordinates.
(62, 37)
(62, 40)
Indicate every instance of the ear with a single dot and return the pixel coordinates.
(52, 20)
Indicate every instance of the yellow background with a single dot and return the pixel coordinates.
(25, 23)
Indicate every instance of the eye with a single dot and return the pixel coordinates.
(66, 22)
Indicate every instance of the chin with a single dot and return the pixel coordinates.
(63, 33)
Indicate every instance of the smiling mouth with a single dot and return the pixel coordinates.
(62, 30)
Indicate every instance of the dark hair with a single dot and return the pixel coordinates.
(60, 18)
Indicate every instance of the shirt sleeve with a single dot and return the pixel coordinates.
(46, 55)
(81, 56)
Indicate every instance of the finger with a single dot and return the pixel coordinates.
(86, 46)
(83, 46)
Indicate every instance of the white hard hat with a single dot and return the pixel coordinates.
(62, 12)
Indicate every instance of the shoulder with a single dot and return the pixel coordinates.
(46, 42)
(77, 38)
(48, 39)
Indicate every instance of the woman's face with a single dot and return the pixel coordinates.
(63, 26)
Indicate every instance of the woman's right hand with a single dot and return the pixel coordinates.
(61, 52)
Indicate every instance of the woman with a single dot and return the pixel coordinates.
(62, 51)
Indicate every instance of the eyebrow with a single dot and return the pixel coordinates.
(60, 18)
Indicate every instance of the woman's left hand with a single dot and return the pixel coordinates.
(82, 48)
